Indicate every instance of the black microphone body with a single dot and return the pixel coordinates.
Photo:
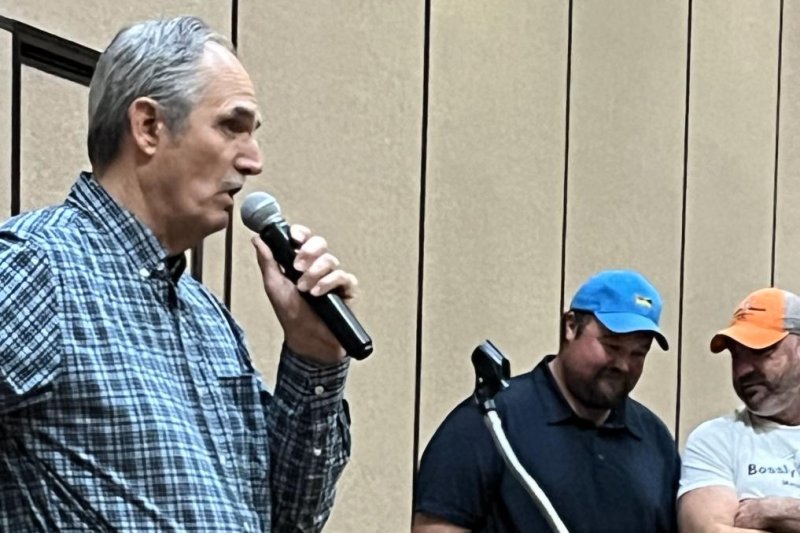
(339, 319)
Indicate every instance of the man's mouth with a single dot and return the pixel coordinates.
(751, 389)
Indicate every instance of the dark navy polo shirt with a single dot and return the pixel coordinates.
(619, 477)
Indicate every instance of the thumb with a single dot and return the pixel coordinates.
(270, 271)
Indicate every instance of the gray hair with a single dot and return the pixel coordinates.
(158, 59)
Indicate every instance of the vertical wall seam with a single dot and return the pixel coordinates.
(421, 247)
(16, 132)
(684, 197)
(566, 163)
(228, 270)
(777, 149)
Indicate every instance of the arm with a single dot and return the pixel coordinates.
(309, 424)
(458, 476)
(30, 336)
(430, 524)
(309, 440)
(710, 510)
(771, 513)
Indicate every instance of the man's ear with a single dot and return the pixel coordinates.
(570, 326)
(147, 126)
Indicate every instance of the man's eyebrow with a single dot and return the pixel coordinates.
(244, 112)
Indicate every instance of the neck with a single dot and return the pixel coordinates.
(124, 186)
(788, 417)
(595, 415)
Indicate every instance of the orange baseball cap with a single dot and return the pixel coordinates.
(765, 317)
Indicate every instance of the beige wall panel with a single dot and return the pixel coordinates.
(626, 160)
(494, 191)
(54, 125)
(731, 165)
(340, 86)
(94, 23)
(787, 256)
(5, 124)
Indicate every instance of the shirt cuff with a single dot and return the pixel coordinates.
(321, 385)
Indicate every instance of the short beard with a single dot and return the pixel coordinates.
(604, 391)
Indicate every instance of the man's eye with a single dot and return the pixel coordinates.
(235, 126)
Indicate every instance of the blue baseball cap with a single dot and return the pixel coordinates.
(623, 301)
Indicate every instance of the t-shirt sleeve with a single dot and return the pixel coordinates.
(30, 336)
(708, 457)
(460, 469)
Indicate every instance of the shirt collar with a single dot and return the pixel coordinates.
(558, 411)
(125, 230)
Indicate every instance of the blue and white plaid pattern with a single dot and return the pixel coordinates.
(127, 398)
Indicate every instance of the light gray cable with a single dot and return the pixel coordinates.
(539, 497)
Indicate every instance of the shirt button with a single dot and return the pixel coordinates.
(144, 272)
(601, 456)
(160, 266)
(318, 390)
(317, 452)
(222, 461)
(246, 526)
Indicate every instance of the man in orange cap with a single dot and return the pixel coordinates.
(741, 472)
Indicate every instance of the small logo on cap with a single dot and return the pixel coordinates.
(745, 310)
(644, 302)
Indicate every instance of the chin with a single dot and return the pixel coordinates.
(214, 225)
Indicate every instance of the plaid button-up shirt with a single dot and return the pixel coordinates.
(127, 397)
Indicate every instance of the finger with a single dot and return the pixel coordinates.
(342, 283)
(313, 248)
(299, 233)
(321, 266)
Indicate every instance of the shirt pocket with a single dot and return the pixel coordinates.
(248, 435)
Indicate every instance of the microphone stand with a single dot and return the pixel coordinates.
(492, 372)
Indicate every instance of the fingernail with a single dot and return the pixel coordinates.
(299, 265)
(316, 290)
(301, 286)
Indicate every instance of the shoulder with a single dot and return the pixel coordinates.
(459, 469)
(461, 421)
(652, 427)
(714, 441)
(521, 392)
(647, 417)
(464, 435)
(46, 229)
(719, 429)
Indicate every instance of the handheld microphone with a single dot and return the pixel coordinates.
(262, 214)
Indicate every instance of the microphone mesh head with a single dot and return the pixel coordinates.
(258, 210)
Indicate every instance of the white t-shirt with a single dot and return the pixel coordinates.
(756, 457)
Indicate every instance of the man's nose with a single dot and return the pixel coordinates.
(249, 161)
(622, 362)
(741, 367)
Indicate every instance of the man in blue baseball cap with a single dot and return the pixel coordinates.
(606, 462)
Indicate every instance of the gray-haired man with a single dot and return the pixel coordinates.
(128, 400)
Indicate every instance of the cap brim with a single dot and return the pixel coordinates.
(630, 323)
(747, 334)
